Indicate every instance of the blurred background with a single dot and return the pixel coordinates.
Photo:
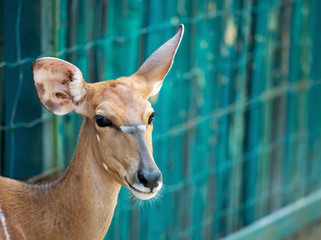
(238, 136)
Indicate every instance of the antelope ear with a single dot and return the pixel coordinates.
(60, 85)
(149, 78)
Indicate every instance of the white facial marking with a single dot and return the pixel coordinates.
(126, 129)
(142, 127)
(3, 221)
(98, 138)
(105, 166)
(133, 128)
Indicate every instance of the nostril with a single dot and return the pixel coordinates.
(142, 179)
(149, 179)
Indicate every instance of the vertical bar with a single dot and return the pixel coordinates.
(220, 151)
(70, 126)
(313, 172)
(281, 65)
(206, 90)
(235, 91)
(189, 143)
(18, 91)
(237, 129)
(48, 128)
(108, 47)
(302, 102)
(291, 163)
(1, 90)
(264, 166)
(9, 54)
(254, 116)
(69, 34)
(200, 135)
(58, 121)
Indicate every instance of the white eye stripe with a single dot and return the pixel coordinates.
(126, 129)
(98, 138)
(133, 128)
(142, 127)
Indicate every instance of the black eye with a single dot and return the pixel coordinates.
(151, 118)
(102, 121)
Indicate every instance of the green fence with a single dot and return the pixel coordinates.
(238, 135)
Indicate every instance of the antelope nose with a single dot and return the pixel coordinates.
(149, 179)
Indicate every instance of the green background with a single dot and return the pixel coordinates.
(238, 134)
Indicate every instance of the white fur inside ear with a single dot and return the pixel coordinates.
(156, 88)
(77, 87)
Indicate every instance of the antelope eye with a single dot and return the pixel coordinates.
(103, 121)
(151, 118)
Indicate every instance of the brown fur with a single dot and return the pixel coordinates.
(41, 89)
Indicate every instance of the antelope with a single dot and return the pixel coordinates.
(114, 149)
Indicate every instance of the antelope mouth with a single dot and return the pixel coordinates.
(138, 193)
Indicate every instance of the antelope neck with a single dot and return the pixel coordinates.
(95, 192)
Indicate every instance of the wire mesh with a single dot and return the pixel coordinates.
(239, 127)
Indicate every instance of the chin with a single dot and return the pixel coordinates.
(142, 192)
(143, 196)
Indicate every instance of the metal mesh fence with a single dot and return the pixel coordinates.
(239, 124)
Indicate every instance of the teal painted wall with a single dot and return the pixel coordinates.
(238, 134)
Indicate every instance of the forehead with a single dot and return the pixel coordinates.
(123, 102)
